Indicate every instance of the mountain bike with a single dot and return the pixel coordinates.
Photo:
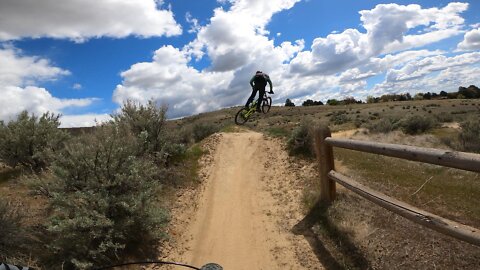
(244, 114)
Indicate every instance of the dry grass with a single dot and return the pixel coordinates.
(449, 192)
(386, 240)
(358, 234)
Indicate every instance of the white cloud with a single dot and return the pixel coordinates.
(84, 120)
(23, 70)
(19, 76)
(425, 66)
(83, 19)
(232, 41)
(169, 80)
(447, 80)
(77, 86)
(471, 40)
(335, 66)
(387, 27)
(35, 100)
(237, 47)
(194, 26)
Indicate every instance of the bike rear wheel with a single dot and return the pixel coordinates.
(266, 104)
(240, 117)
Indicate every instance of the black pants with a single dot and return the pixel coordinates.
(261, 93)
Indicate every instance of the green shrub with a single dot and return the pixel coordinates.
(339, 118)
(11, 232)
(201, 131)
(30, 141)
(184, 135)
(417, 124)
(146, 122)
(301, 140)
(384, 125)
(103, 199)
(469, 136)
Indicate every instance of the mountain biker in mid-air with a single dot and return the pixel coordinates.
(258, 83)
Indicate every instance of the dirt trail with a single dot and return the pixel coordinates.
(249, 203)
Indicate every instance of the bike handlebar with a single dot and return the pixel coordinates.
(4, 266)
(208, 266)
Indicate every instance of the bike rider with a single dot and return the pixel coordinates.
(258, 83)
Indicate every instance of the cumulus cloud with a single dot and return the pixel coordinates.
(471, 40)
(194, 25)
(237, 47)
(434, 73)
(83, 120)
(82, 19)
(387, 31)
(447, 80)
(390, 44)
(425, 66)
(35, 100)
(232, 41)
(19, 76)
(16, 70)
(169, 80)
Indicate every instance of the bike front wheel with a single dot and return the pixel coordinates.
(241, 117)
(266, 104)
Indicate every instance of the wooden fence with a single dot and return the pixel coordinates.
(328, 176)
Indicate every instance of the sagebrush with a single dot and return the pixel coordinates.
(417, 124)
(469, 136)
(31, 141)
(11, 232)
(384, 125)
(203, 130)
(103, 199)
(301, 140)
(146, 122)
(104, 190)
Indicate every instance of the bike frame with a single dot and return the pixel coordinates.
(245, 113)
(251, 110)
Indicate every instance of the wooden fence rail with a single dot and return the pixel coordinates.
(446, 158)
(328, 177)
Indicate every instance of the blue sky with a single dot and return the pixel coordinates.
(84, 58)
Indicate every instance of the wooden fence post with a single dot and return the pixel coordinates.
(324, 154)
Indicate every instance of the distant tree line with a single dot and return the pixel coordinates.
(471, 92)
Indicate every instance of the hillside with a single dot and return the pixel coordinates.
(238, 204)
(357, 234)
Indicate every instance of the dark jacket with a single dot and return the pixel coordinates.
(260, 80)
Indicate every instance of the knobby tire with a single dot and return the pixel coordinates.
(240, 119)
(266, 104)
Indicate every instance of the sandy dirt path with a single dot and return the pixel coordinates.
(246, 209)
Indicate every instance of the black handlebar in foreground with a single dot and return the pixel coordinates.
(208, 266)
(13, 267)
